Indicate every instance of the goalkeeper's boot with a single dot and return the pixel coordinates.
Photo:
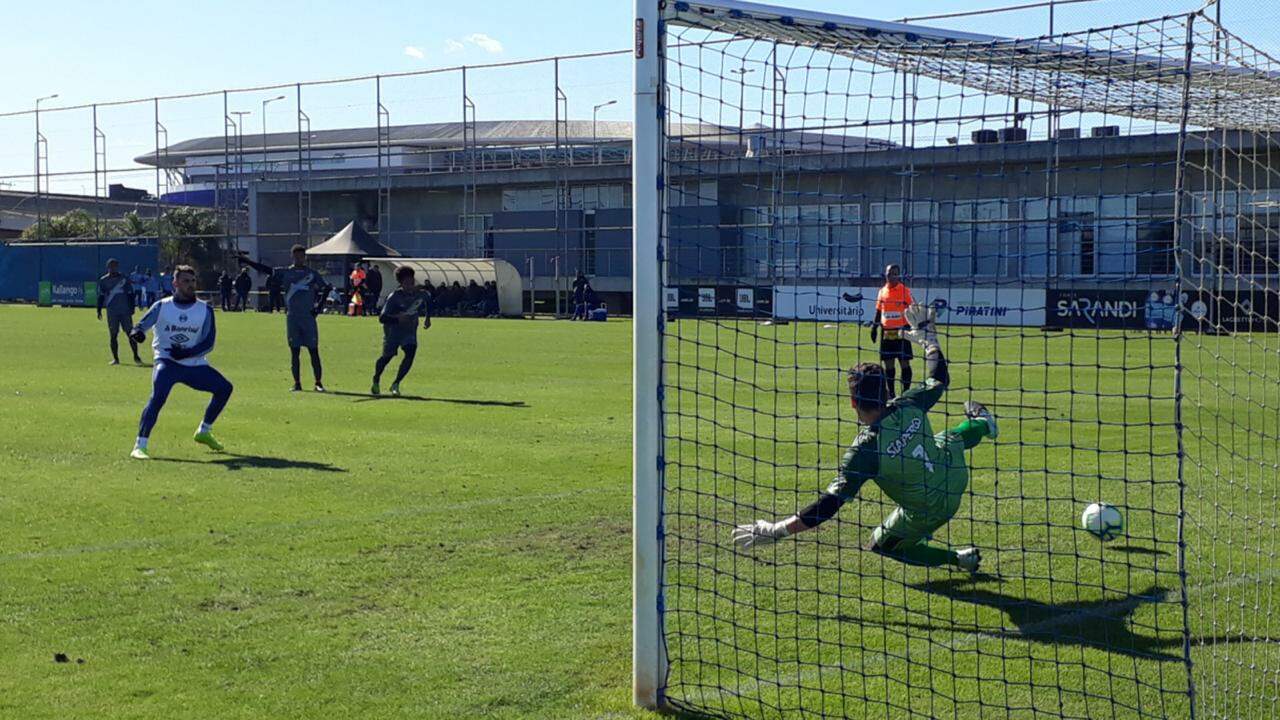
(975, 410)
(374, 389)
(139, 453)
(969, 559)
(395, 389)
(207, 439)
(297, 387)
(923, 320)
(319, 387)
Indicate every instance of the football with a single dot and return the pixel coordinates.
(1103, 521)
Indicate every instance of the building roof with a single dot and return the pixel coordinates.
(497, 133)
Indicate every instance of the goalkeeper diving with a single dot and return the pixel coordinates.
(925, 474)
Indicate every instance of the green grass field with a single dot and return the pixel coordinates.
(467, 553)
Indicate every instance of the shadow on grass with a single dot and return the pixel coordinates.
(1135, 550)
(366, 397)
(1102, 624)
(236, 461)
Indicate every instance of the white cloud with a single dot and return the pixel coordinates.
(484, 42)
(414, 52)
(452, 46)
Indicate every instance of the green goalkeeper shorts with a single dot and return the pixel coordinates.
(913, 526)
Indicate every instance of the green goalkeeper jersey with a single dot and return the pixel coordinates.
(921, 472)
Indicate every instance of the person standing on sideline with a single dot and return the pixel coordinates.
(244, 284)
(166, 283)
(891, 303)
(115, 295)
(373, 284)
(275, 293)
(304, 296)
(399, 320)
(184, 337)
(153, 287)
(580, 297)
(224, 290)
(135, 285)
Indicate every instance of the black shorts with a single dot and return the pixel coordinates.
(895, 348)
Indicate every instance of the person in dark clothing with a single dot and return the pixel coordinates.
(456, 295)
(244, 284)
(373, 286)
(399, 320)
(304, 300)
(115, 295)
(580, 286)
(224, 289)
(275, 293)
(475, 299)
(491, 307)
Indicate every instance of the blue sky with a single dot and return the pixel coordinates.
(94, 51)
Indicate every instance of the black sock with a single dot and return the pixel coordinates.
(293, 365)
(380, 366)
(315, 364)
(405, 363)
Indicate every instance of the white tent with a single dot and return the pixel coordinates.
(446, 271)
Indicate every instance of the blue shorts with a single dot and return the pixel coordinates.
(302, 330)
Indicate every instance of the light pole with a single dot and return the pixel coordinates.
(265, 103)
(39, 137)
(240, 153)
(594, 138)
(742, 74)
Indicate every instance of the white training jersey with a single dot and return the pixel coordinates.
(189, 327)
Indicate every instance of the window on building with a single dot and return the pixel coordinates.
(1257, 249)
(903, 233)
(807, 241)
(1154, 250)
(477, 235)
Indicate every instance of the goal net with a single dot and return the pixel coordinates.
(1095, 218)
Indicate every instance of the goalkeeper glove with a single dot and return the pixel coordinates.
(137, 336)
(923, 320)
(761, 532)
(875, 332)
(178, 353)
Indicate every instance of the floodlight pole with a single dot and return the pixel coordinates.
(40, 140)
(265, 103)
(648, 653)
(595, 138)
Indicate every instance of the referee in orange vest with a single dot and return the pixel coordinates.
(891, 303)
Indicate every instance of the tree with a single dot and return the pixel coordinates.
(74, 225)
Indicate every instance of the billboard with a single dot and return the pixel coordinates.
(956, 306)
(1016, 306)
(824, 302)
(1139, 309)
(718, 301)
(54, 292)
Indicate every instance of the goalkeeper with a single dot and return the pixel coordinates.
(925, 474)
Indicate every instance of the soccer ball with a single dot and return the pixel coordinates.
(1103, 521)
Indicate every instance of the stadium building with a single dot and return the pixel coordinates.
(1088, 210)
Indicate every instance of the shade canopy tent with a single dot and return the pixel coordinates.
(446, 271)
(351, 241)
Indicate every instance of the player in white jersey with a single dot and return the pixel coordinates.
(184, 336)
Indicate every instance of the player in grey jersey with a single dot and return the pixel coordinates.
(399, 318)
(115, 295)
(304, 295)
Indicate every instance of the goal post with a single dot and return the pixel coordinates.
(648, 651)
(1095, 218)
